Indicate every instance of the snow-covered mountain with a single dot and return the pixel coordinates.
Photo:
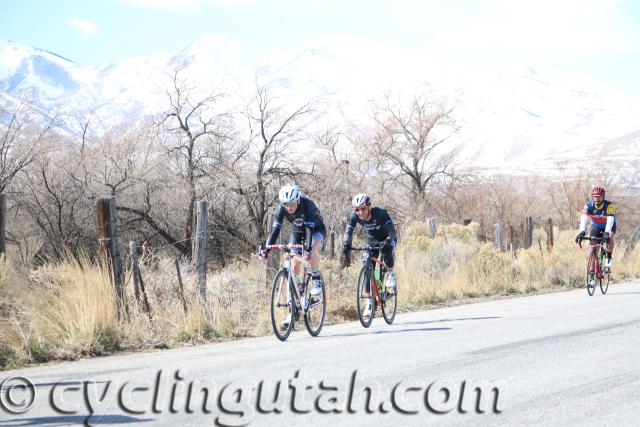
(513, 118)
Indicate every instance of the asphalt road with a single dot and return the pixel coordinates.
(555, 359)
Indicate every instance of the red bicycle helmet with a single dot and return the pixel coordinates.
(597, 191)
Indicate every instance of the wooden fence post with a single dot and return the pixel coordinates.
(181, 286)
(632, 243)
(107, 222)
(512, 238)
(134, 255)
(333, 244)
(138, 283)
(498, 230)
(528, 232)
(3, 222)
(548, 227)
(199, 250)
(432, 227)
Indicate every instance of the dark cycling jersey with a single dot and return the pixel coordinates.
(305, 221)
(378, 228)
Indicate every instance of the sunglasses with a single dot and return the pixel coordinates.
(362, 209)
(288, 205)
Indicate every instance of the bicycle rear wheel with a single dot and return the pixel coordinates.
(591, 275)
(280, 307)
(316, 309)
(364, 296)
(389, 303)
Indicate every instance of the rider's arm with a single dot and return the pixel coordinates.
(348, 232)
(611, 217)
(277, 224)
(584, 220)
(390, 228)
(310, 214)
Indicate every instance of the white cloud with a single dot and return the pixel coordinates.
(86, 28)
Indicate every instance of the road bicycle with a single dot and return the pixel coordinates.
(377, 295)
(596, 272)
(286, 289)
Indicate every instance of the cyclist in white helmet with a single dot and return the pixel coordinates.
(380, 229)
(306, 227)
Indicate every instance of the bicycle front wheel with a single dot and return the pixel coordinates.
(389, 303)
(316, 309)
(604, 283)
(280, 306)
(591, 275)
(364, 296)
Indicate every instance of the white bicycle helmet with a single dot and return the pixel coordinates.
(360, 200)
(289, 194)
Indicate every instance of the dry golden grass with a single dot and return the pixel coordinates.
(68, 310)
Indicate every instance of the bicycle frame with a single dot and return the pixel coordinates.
(380, 296)
(297, 297)
(596, 251)
(371, 263)
(297, 300)
(595, 271)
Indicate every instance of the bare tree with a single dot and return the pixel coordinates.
(264, 156)
(21, 139)
(567, 195)
(56, 202)
(411, 139)
(191, 132)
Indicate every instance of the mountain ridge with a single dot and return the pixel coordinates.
(517, 114)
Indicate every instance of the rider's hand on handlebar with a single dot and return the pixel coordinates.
(262, 255)
(607, 236)
(306, 256)
(579, 238)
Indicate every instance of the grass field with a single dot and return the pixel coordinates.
(68, 310)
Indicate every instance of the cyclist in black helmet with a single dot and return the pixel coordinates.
(379, 227)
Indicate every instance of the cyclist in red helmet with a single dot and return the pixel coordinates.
(602, 214)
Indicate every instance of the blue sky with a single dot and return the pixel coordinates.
(600, 38)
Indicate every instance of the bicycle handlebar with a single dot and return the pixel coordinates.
(287, 246)
(366, 248)
(594, 239)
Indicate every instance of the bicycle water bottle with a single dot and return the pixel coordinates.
(376, 276)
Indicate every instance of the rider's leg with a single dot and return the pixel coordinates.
(387, 257)
(316, 243)
(314, 262)
(296, 239)
(610, 246)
